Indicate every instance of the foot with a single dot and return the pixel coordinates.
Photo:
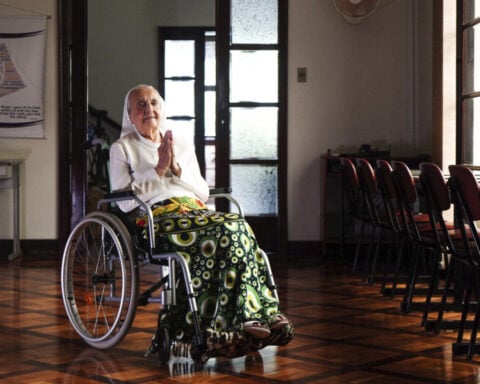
(280, 321)
(257, 329)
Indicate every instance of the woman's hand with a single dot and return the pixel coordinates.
(174, 166)
(166, 156)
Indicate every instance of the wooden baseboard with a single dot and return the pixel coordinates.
(32, 248)
(49, 248)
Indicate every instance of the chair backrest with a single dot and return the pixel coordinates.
(435, 186)
(366, 176)
(437, 196)
(465, 186)
(385, 179)
(407, 190)
(386, 187)
(350, 182)
(407, 197)
(466, 198)
(369, 189)
(349, 172)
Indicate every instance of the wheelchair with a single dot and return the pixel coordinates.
(100, 275)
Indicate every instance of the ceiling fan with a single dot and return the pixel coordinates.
(354, 11)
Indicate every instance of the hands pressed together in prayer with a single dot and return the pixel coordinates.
(166, 156)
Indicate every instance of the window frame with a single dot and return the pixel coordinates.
(464, 143)
(197, 34)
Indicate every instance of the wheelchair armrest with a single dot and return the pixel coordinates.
(122, 195)
(117, 196)
(131, 195)
(225, 192)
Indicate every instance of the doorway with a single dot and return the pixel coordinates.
(74, 106)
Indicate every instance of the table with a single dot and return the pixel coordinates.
(14, 183)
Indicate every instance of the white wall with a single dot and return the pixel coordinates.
(367, 83)
(38, 175)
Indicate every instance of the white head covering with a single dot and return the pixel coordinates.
(127, 125)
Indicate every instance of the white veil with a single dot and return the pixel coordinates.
(127, 125)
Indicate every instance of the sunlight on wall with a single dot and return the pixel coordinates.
(449, 83)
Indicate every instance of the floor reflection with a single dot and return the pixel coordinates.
(345, 332)
(93, 362)
(112, 366)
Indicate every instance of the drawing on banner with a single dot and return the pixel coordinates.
(10, 80)
(22, 57)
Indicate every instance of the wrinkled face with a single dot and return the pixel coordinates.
(144, 109)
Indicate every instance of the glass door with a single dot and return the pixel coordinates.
(251, 112)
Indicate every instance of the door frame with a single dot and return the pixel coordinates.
(72, 101)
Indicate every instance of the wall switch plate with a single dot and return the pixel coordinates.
(302, 75)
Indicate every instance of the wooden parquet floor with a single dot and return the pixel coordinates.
(346, 332)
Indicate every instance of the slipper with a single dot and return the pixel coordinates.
(280, 321)
(256, 329)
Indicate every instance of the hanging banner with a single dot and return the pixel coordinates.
(22, 71)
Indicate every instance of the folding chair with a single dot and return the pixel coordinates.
(447, 240)
(386, 186)
(419, 233)
(466, 199)
(353, 205)
(377, 217)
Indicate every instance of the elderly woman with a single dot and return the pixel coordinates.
(228, 273)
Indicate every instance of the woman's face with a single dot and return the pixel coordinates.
(145, 109)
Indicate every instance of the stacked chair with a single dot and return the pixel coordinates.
(388, 190)
(420, 234)
(378, 218)
(447, 242)
(466, 199)
(354, 205)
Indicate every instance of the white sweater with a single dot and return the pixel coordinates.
(132, 166)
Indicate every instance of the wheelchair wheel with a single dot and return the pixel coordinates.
(99, 279)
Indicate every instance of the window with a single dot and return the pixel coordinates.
(469, 42)
(188, 73)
